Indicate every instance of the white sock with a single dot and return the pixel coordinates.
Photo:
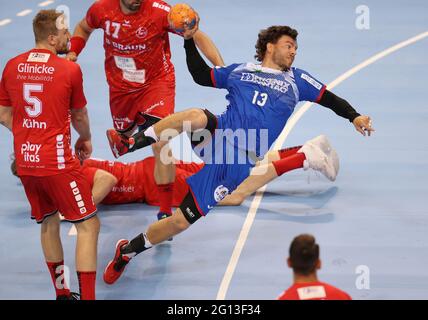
(150, 132)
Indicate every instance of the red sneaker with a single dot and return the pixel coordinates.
(116, 266)
(119, 144)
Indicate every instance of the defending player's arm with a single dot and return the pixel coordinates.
(208, 48)
(6, 117)
(81, 35)
(343, 109)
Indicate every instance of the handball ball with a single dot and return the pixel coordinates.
(181, 15)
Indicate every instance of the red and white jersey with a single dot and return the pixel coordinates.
(136, 181)
(42, 89)
(314, 291)
(136, 45)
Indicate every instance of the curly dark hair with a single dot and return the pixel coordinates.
(272, 35)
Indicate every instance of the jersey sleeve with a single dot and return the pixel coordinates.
(94, 15)
(78, 100)
(4, 95)
(310, 89)
(220, 75)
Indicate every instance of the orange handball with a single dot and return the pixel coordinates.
(181, 15)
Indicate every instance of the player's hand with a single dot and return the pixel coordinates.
(363, 124)
(189, 33)
(71, 56)
(83, 149)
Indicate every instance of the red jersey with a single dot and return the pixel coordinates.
(314, 291)
(136, 45)
(136, 182)
(42, 88)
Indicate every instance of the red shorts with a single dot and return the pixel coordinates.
(68, 193)
(156, 99)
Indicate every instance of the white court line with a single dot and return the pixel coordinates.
(227, 278)
(5, 22)
(73, 231)
(45, 3)
(24, 13)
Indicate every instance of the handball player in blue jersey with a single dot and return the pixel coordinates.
(261, 98)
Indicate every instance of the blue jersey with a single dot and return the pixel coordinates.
(262, 99)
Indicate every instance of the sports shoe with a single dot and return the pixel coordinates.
(321, 156)
(72, 296)
(116, 266)
(163, 215)
(119, 143)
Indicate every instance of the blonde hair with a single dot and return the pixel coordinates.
(45, 24)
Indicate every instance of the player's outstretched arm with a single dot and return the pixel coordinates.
(6, 117)
(103, 184)
(81, 34)
(343, 109)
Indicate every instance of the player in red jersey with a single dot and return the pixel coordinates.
(139, 70)
(304, 260)
(40, 94)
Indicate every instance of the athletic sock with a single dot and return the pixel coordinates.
(87, 284)
(140, 140)
(284, 153)
(137, 245)
(58, 279)
(166, 193)
(290, 163)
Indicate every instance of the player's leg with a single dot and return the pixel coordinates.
(197, 203)
(44, 212)
(167, 128)
(86, 256)
(73, 197)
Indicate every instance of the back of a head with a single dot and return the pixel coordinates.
(46, 23)
(304, 254)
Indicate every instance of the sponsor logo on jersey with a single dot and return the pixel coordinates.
(33, 124)
(312, 81)
(60, 151)
(35, 68)
(123, 189)
(30, 152)
(142, 32)
(126, 47)
(38, 57)
(274, 84)
(161, 6)
(220, 193)
(313, 292)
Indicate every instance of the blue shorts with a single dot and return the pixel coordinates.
(226, 166)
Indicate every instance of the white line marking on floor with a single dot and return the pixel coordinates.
(46, 3)
(24, 13)
(5, 22)
(73, 231)
(230, 270)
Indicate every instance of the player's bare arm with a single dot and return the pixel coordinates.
(81, 35)
(6, 117)
(80, 122)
